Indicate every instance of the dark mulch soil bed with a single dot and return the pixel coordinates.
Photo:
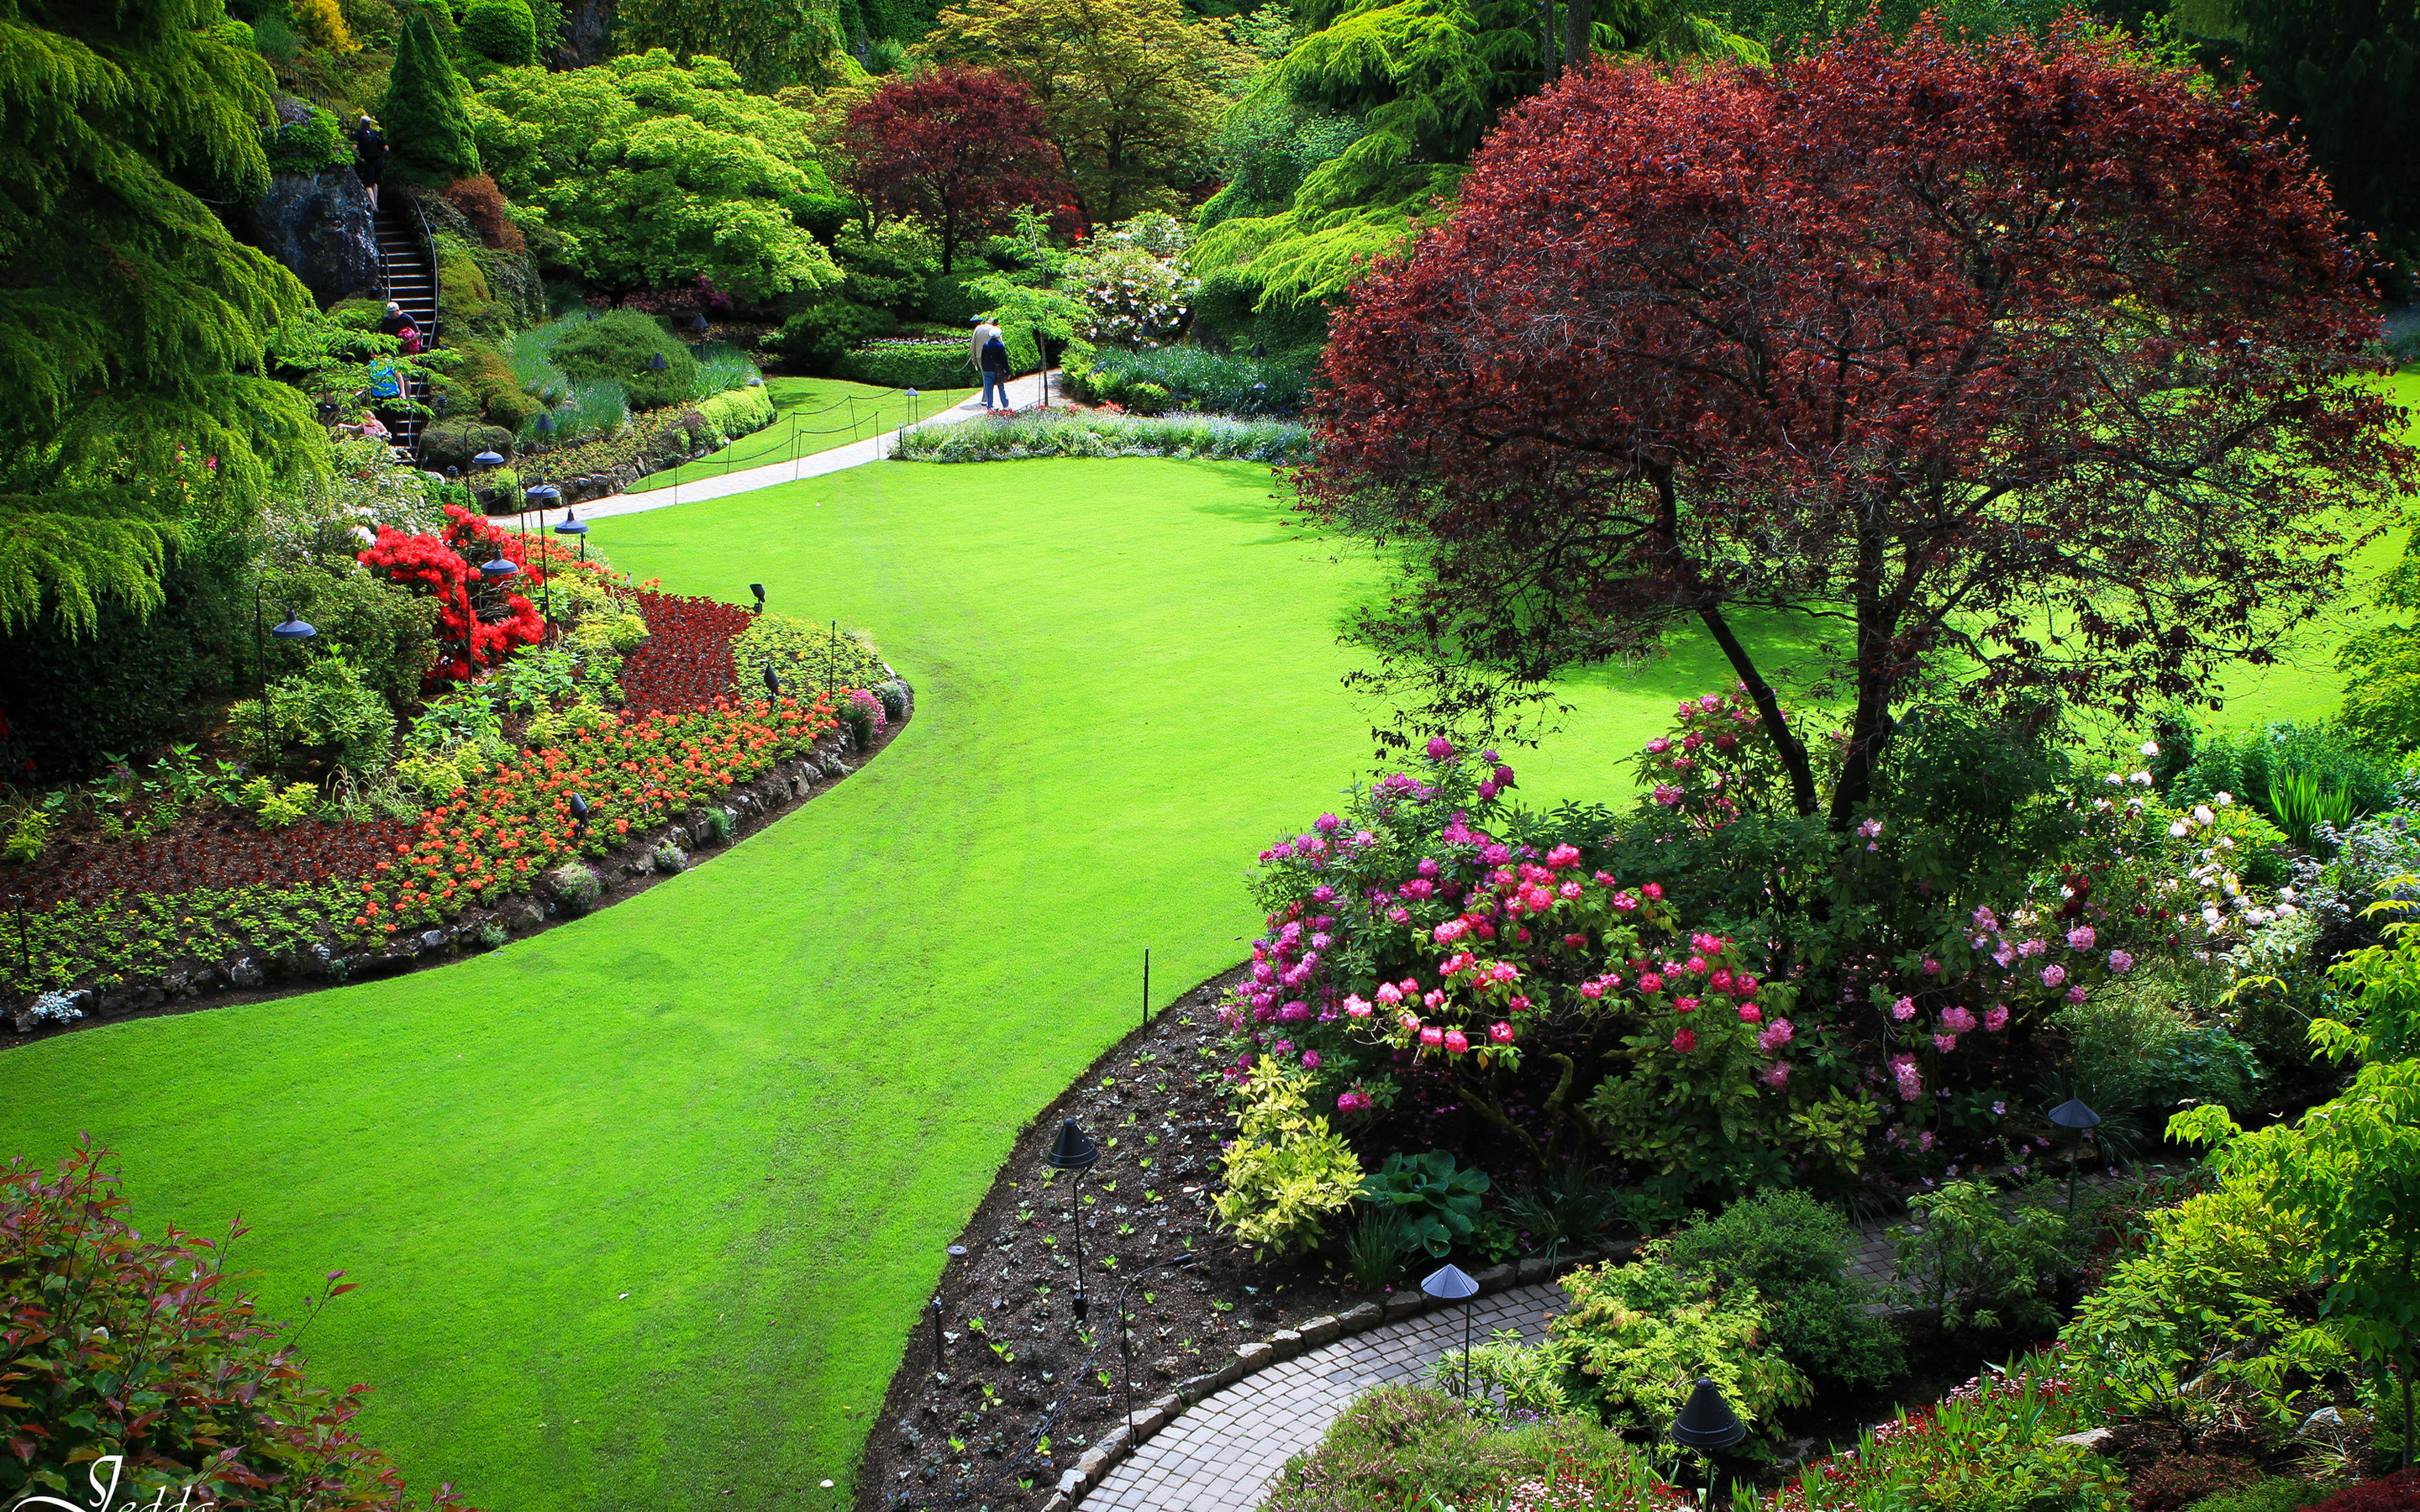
(625, 872)
(973, 1433)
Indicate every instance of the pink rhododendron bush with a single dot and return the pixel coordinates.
(1710, 991)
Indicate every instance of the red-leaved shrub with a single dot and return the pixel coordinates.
(2399, 1493)
(2173, 1483)
(482, 203)
(132, 1366)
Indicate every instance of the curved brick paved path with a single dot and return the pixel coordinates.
(1221, 1454)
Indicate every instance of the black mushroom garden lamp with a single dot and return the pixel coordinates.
(2078, 1121)
(772, 683)
(1707, 1424)
(1075, 1151)
(292, 631)
(1447, 1283)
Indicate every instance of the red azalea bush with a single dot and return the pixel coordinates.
(640, 770)
(133, 1368)
(446, 568)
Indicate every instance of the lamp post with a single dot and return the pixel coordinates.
(541, 497)
(293, 631)
(758, 589)
(1074, 1150)
(1706, 1423)
(2077, 1119)
(1446, 1283)
(772, 683)
(572, 527)
(578, 817)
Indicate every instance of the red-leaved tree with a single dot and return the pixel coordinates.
(960, 147)
(2037, 366)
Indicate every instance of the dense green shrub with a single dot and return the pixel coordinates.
(313, 144)
(2137, 1054)
(1093, 433)
(388, 634)
(1793, 1251)
(622, 346)
(2262, 766)
(817, 337)
(737, 413)
(1410, 1447)
(808, 657)
(483, 378)
(1981, 1264)
(502, 31)
(327, 709)
(131, 683)
(453, 442)
(574, 885)
(1191, 377)
(1565, 1208)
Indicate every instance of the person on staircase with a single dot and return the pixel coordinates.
(394, 321)
(369, 158)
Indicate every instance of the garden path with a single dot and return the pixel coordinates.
(1222, 1453)
(1022, 393)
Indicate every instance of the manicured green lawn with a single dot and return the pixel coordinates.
(642, 1208)
(816, 415)
(641, 1211)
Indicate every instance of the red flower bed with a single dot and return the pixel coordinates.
(686, 663)
(640, 771)
(307, 853)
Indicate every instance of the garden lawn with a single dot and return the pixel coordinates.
(814, 414)
(643, 1209)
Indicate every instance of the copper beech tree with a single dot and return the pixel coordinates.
(2033, 368)
(961, 147)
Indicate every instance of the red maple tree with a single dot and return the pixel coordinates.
(2034, 365)
(960, 147)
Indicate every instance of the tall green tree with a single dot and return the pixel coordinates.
(2347, 72)
(773, 44)
(428, 129)
(139, 413)
(1130, 90)
(639, 174)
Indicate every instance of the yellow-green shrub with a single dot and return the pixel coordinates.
(1288, 1173)
(809, 657)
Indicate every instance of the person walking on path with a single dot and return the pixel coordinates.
(369, 158)
(991, 360)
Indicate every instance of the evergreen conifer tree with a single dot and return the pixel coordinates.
(428, 129)
(134, 328)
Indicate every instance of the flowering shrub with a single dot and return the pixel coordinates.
(133, 1364)
(1133, 284)
(1410, 948)
(446, 568)
(1413, 1447)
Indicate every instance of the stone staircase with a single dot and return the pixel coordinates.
(412, 282)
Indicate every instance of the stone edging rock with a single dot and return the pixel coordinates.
(1113, 1447)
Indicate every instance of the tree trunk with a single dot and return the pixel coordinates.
(1579, 24)
(1547, 51)
(1869, 728)
(1786, 743)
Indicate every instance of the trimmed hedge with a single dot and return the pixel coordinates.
(736, 412)
(936, 362)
